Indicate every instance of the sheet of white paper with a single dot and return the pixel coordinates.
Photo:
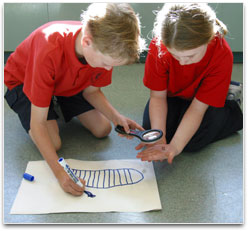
(119, 185)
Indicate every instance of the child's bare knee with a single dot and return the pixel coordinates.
(57, 144)
(103, 131)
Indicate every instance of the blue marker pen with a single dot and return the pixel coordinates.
(66, 167)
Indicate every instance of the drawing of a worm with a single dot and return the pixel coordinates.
(109, 178)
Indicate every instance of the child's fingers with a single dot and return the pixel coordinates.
(135, 125)
(75, 192)
(152, 154)
(76, 189)
(126, 136)
(83, 182)
(126, 127)
(140, 146)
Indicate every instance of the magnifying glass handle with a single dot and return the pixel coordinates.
(132, 132)
(120, 130)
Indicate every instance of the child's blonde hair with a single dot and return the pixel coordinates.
(187, 26)
(115, 30)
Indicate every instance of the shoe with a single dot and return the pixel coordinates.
(235, 92)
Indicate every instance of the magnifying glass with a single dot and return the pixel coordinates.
(147, 136)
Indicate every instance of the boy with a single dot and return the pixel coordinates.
(72, 61)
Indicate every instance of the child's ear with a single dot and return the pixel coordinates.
(87, 41)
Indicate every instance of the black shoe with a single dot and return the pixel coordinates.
(235, 92)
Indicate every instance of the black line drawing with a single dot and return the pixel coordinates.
(109, 178)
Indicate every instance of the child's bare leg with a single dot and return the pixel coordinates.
(96, 123)
(53, 130)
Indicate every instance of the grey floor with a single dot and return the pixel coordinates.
(205, 187)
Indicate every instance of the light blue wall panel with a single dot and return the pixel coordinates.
(65, 11)
(147, 13)
(20, 19)
(232, 15)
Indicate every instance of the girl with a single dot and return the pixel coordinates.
(188, 71)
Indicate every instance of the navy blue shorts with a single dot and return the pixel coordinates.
(70, 106)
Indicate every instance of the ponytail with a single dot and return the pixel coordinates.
(220, 27)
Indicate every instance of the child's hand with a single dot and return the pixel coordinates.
(142, 145)
(69, 186)
(147, 145)
(127, 124)
(159, 152)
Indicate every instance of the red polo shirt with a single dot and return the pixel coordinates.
(207, 80)
(46, 63)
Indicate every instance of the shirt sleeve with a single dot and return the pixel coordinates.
(214, 86)
(39, 82)
(156, 69)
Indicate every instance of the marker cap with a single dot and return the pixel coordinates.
(28, 177)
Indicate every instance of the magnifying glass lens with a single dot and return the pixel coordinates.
(148, 136)
(151, 135)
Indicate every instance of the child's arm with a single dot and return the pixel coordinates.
(158, 114)
(41, 137)
(97, 99)
(190, 123)
(185, 131)
(158, 111)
